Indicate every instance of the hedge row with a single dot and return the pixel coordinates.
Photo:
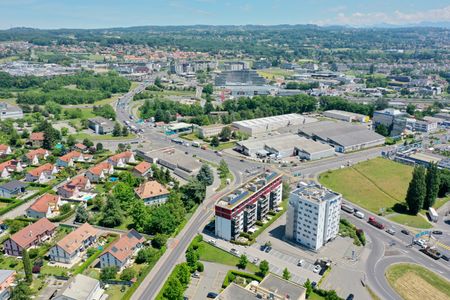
(231, 275)
(63, 216)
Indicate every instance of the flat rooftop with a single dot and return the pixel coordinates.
(344, 113)
(314, 192)
(279, 286)
(247, 189)
(426, 157)
(291, 119)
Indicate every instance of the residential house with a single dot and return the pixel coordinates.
(152, 192)
(10, 166)
(120, 160)
(74, 187)
(120, 253)
(101, 125)
(7, 278)
(12, 189)
(142, 169)
(42, 174)
(34, 156)
(30, 236)
(81, 287)
(80, 147)
(99, 172)
(37, 139)
(5, 149)
(71, 247)
(69, 159)
(46, 206)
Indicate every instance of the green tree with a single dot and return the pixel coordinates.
(174, 289)
(88, 143)
(99, 147)
(128, 274)
(411, 109)
(81, 214)
(64, 131)
(27, 266)
(117, 130)
(71, 141)
(243, 261)
(21, 291)
(111, 213)
(415, 195)
(225, 133)
(51, 135)
(192, 257)
(108, 273)
(123, 192)
(433, 182)
(286, 274)
(159, 241)
(382, 129)
(224, 171)
(125, 131)
(205, 175)
(309, 287)
(215, 141)
(263, 268)
(193, 192)
(208, 89)
(183, 273)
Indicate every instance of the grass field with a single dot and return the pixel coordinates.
(102, 137)
(223, 146)
(107, 100)
(274, 72)
(213, 254)
(376, 184)
(86, 112)
(414, 282)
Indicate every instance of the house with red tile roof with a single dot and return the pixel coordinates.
(7, 279)
(99, 172)
(46, 206)
(80, 147)
(31, 236)
(10, 166)
(120, 253)
(71, 247)
(33, 156)
(122, 159)
(74, 187)
(42, 174)
(69, 159)
(152, 192)
(37, 139)
(5, 149)
(143, 169)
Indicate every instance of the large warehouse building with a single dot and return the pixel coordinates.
(344, 137)
(261, 126)
(285, 145)
(346, 116)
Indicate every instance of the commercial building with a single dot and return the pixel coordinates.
(344, 137)
(209, 130)
(271, 287)
(346, 116)
(31, 236)
(81, 287)
(313, 215)
(184, 166)
(425, 125)
(237, 91)
(101, 125)
(180, 127)
(8, 111)
(393, 119)
(239, 77)
(46, 206)
(120, 252)
(267, 125)
(70, 248)
(152, 192)
(239, 210)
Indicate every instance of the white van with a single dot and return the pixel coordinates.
(359, 214)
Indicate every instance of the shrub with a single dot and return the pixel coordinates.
(128, 274)
(200, 266)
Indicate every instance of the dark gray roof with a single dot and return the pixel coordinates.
(13, 185)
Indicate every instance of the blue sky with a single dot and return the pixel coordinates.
(118, 13)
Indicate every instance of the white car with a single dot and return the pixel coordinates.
(300, 263)
(234, 252)
(212, 242)
(317, 268)
(421, 243)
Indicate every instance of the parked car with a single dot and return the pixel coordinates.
(300, 263)
(359, 214)
(268, 249)
(391, 231)
(212, 242)
(234, 252)
(437, 232)
(421, 243)
(445, 257)
(255, 260)
(196, 275)
(212, 295)
(313, 284)
(404, 231)
(350, 297)
(317, 268)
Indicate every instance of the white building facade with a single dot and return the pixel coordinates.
(313, 216)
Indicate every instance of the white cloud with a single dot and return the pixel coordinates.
(395, 18)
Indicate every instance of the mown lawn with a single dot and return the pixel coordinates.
(213, 254)
(102, 137)
(223, 146)
(414, 282)
(412, 221)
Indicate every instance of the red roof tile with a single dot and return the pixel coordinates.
(29, 234)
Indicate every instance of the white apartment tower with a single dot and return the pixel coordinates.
(313, 215)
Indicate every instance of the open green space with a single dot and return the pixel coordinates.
(377, 185)
(86, 112)
(213, 254)
(414, 282)
(223, 146)
(275, 72)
